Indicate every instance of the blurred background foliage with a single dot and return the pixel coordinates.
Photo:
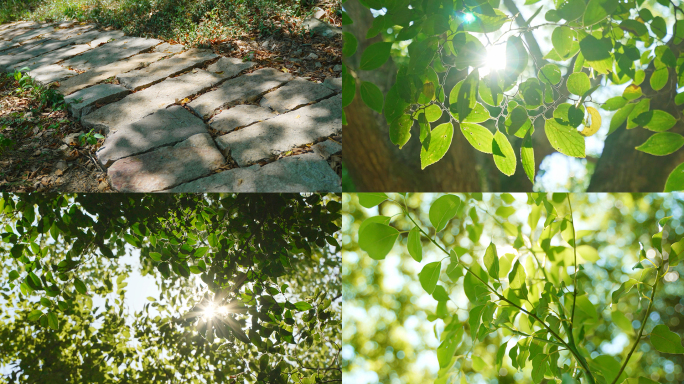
(387, 333)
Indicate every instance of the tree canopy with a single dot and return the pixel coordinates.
(521, 80)
(249, 288)
(473, 288)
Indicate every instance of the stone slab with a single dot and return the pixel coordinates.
(166, 167)
(9, 60)
(334, 83)
(229, 66)
(327, 149)
(296, 93)
(239, 90)
(51, 73)
(240, 116)
(101, 93)
(32, 34)
(169, 48)
(110, 52)
(321, 28)
(92, 40)
(284, 132)
(302, 173)
(140, 104)
(164, 127)
(99, 74)
(162, 69)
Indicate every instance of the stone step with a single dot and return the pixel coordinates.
(166, 167)
(142, 103)
(105, 72)
(334, 83)
(8, 60)
(303, 173)
(296, 93)
(240, 116)
(164, 127)
(110, 52)
(162, 69)
(86, 42)
(240, 90)
(284, 132)
(101, 93)
(50, 73)
(25, 36)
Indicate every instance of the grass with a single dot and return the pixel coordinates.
(190, 22)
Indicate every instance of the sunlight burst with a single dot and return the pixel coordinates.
(496, 59)
(212, 311)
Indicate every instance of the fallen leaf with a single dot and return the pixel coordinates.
(219, 73)
(297, 117)
(285, 70)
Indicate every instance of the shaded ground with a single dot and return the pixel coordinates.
(33, 153)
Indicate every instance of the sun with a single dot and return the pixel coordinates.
(211, 311)
(496, 59)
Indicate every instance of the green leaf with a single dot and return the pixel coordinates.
(201, 251)
(516, 278)
(491, 261)
(440, 294)
(665, 340)
(348, 87)
(303, 306)
(52, 321)
(478, 364)
(632, 92)
(445, 352)
(467, 94)
(440, 140)
(621, 321)
(659, 27)
(377, 240)
(614, 103)
(550, 73)
(624, 288)
(17, 250)
(661, 144)
(375, 219)
(156, 256)
(570, 9)
(588, 253)
(372, 96)
(400, 130)
(578, 83)
(13, 275)
(370, 200)
(504, 155)
(474, 289)
(539, 365)
(586, 307)
(350, 44)
(655, 120)
(429, 276)
(620, 117)
(527, 157)
(80, 286)
(415, 248)
(443, 210)
(594, 49)
(634, 27)
(563, 41)
(565, 139)
(35, 315)
(598, 10)
(675, 182)
(375, 55)
(609, 367)
(659, 78)
(478, 136)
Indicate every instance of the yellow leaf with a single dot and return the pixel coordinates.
(297, 117)
(595, 122)
(285, 70)
(219, 72)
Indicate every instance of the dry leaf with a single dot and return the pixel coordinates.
(219, 73)
(297, 117)
(285, 70)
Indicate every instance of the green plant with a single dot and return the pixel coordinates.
(465, 66)
(90, 137)
(539, 295)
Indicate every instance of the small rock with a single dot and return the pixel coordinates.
(297, 53)
(37, 153)
(312, 56)
(102, 186)
(337, 68)
(327, 149)
(317, 65)
(61, 165)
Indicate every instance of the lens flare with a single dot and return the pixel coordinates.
(468, 17)
(212, 311)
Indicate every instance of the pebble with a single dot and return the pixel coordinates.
(312, 56)
(337, 68)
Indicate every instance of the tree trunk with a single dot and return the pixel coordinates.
(622, 168)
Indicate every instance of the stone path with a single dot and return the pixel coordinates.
(159, 104)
